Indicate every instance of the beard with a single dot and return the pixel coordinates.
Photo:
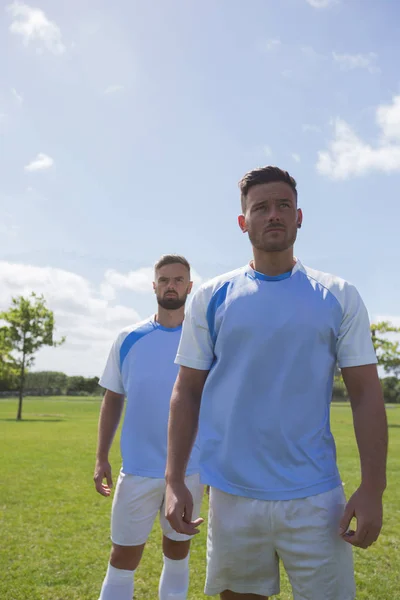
(267, 243)
(171, 302)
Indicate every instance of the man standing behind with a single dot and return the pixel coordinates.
(258, 353)
(141, 367)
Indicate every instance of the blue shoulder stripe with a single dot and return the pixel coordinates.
(132, 338)
(217, 299)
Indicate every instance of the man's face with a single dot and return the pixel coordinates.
(271, 218)
(172, 285)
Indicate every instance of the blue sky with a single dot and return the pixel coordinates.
(126, 126)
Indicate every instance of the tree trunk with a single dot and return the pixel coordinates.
(21, 388)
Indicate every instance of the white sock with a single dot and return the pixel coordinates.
(174, 581)
(117, 584)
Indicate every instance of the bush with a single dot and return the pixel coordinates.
(391, 389)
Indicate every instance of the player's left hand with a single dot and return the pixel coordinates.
(365, 506)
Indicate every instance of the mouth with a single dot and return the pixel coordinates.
(171, 295)
(274, 229)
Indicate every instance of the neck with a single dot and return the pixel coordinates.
(170, 318)
(273, 263)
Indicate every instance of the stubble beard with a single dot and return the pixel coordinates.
(259, 242)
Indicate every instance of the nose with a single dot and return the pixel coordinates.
(273, 214)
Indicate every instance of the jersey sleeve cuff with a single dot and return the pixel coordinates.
(193, 363)
(108, 385)
(358, 361)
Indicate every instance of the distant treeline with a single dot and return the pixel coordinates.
(53, 383)
(391, 390)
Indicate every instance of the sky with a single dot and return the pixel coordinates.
(126, 126)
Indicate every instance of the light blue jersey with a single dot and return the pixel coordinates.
(271, 345)
(141, 366)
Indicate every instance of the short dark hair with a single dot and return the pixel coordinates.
(172, 259)
(267, 174)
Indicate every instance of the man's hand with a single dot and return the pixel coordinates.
(102, 471)
(179, 509)
(366, 506)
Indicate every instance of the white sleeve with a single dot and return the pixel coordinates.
(354, 345)
(111, 378)
(196, 349)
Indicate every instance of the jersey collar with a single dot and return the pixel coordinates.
(256, 275)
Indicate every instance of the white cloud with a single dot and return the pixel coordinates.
(86, 314)
(113, 89)
(272, 44)
(19, 99)
(349, 62)
(33, 26)
(139, 281)
(81, 313)
(349, 155)
(296, 157)
(311, 128)
(388, 118)
(321, 3)
(40, 163)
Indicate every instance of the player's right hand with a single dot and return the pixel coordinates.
(102, 471)
(179, 509)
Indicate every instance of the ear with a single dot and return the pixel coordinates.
(190, 287)
(154, 286)
(242, 223)
(299, 218)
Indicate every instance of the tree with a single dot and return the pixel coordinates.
(391, 389)
(388, 355)
(29, 327)
(387, 350)
(75, 385)
(46, 383)
(91, 385)
(8, 369)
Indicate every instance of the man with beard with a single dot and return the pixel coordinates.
(141, 367)
(258, 352)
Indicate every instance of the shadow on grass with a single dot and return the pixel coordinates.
(33, 420)
(394, 426)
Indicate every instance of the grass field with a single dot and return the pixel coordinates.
(55, 527)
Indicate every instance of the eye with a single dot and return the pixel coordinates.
(285, 204)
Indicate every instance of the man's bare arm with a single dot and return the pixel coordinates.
(370, 423)
(110, 415)
(370, 426)
(182, 429)
(183, 421)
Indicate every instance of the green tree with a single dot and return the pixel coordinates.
(91, 385)
(29, 327)
(387, 350)
(46, 383)
(391, 389)
(8, 369)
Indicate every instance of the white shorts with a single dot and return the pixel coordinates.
(247, 538)
(137, 500)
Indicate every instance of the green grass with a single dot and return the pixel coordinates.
(55, 527)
